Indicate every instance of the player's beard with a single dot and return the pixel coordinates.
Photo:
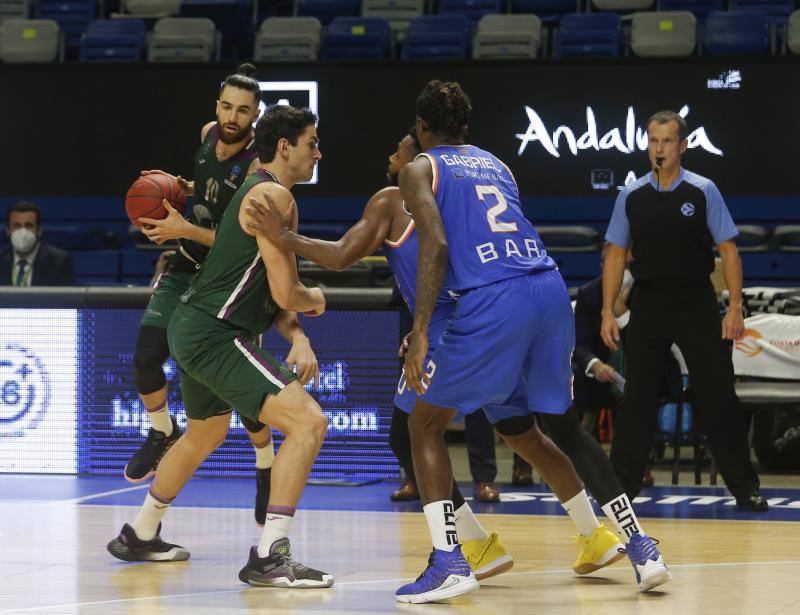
(229, 139)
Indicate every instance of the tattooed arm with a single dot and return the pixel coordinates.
(415, 188)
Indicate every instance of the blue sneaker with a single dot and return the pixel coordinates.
(649, 566)
(448, 574)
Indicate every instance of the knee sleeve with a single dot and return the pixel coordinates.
(251, 425)
(514, 425)
(400, 442)
(563, 429)
(151, 352)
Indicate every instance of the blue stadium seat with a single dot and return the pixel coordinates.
(102, 264)
(777, 11)
(137, 266)
(437, 37)
(327, 10)
(549, 11)
(363, 38)
(590, 34)
(701, 9)
(232, 18)
(114, 40)
(737, 33)
(72, 16)
(473, 10)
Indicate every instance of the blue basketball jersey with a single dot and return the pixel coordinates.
(402, 257)
(488, 236)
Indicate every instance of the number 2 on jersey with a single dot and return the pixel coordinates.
(493, 212)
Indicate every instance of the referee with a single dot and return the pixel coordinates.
(673, 218)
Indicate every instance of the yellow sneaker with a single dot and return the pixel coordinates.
(487, 557)
(599, 550)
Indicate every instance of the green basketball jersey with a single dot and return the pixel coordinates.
(231, 284)
(215, 183)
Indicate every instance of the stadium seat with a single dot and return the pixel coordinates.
(752, 238)
(327, 10)
(29, 40)
(659, 34)
(793, 33)
(507, 37)
(285, 39)
(549, 11)
(473, 10)
(437, 37)
(570, 238)
(72, 16)
(102, 264)
(591, 34)
(622, 6)
(399, 13)
(362, 38)
(777, 11)
(699, 8)
(114, 40)
(14, 9)
(137, 266)
(787, 237)
(737, 33)
(151, 8)
(233, 19)
(182, 39)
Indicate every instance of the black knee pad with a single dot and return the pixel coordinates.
(515, 425)
(399, 438)
(562, 428)
(251, 425)
(151, 352)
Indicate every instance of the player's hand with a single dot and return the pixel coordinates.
(187, 187)
(416, 379)
(733, 325)
(403, 350)
(265, 217)
(303, 360)
(603, 372)
(609, 331)
(174, 226)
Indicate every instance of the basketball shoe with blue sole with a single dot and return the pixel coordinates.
(649, 566)
(448, 575)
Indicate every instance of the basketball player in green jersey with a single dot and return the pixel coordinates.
(212, 336)
(226, 156)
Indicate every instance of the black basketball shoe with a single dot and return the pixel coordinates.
(278, 569)
(130, 548)
(144, 462)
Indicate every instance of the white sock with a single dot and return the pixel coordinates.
(441, 520)
(275, 527)
(580, 510)
(160, 418)
(265, 455)
(467, 525)
(150, 515)
(620, 512)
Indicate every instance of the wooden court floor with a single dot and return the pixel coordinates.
(53, 560)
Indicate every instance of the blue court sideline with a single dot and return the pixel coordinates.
(660, 502)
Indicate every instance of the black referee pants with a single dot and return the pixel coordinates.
(688, 317)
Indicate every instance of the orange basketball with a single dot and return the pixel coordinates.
(145, 197)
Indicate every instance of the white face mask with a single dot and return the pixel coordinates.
(24, 240)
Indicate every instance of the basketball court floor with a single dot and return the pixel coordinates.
(54, 531)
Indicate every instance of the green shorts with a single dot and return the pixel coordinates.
(165, 298)
(221, 367)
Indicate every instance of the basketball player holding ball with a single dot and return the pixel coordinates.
(225, 158)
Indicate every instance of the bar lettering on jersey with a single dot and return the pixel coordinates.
(488, 236)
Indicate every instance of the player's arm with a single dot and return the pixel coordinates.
(361, 240)
(416, 189)
(284, 283)
(733, 323)
(175, 226)
(301, 356)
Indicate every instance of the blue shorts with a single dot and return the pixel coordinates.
(404, 397)
(507, 349)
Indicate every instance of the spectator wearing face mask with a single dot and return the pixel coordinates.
(29, 260)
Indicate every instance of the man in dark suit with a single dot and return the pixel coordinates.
(29, 260)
